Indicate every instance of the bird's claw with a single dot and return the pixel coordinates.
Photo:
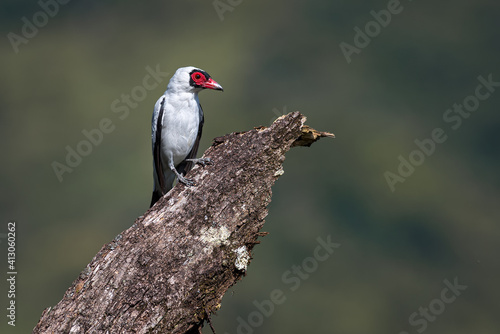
(187, 182)
(201, 161)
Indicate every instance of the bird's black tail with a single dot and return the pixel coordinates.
(155, 198)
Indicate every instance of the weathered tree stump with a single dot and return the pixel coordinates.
(170, 270)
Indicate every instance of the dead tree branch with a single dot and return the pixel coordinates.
(170, 270)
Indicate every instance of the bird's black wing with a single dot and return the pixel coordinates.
(185, 166)
(157, 155)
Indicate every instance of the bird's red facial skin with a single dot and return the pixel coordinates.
(198, 78)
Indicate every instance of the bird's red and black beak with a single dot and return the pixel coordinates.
(211, 84)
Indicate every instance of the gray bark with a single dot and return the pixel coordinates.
(170, 270)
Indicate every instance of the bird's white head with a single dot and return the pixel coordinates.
(191, 79)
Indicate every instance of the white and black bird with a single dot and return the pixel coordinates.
(176, 129)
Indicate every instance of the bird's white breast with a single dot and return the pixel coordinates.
(181, 119)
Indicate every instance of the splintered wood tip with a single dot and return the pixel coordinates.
(310, 135)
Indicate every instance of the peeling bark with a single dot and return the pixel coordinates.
(170, 270)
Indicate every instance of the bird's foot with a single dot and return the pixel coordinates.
(201, 161)
(187, 182)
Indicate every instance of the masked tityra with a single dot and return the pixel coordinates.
(176, 128)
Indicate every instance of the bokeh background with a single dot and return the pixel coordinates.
(397, 248)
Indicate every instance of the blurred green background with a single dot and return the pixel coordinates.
(396, 247)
